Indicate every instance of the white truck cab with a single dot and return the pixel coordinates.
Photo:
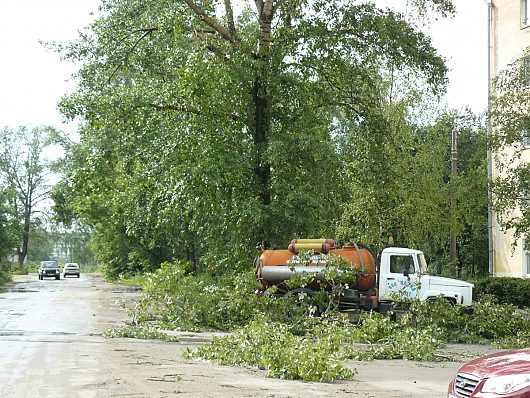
(403, 273)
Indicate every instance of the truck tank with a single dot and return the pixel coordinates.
(274, 267)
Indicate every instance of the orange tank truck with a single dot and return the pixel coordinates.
(399, 272)
(275, 267)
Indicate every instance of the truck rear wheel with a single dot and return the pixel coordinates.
(305, 297)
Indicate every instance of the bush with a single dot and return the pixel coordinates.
(513, 291)
(5, 275)
(177, 300)
(145, 332)
(496, 322)
(20, 269)
(278, 335)
(315, 356)
(448, 320)
(521, 339)
(400, 339)
(404, 343)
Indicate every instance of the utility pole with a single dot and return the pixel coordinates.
(454, 172)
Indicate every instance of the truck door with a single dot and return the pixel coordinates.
(402, 279)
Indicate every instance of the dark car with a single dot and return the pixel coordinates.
(49, 269)
(505, 374)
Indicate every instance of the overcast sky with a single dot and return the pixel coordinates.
(32, 80)
(463, 40)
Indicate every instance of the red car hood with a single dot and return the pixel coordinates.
(502, 363)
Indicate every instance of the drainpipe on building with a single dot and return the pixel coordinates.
(489, 132)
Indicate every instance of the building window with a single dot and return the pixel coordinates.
(525, 71)
(524, 14)
(526, 262)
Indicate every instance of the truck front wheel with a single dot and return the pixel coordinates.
(451, 300)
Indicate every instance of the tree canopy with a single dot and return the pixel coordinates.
(510, 119)
(23, 171)
(210, 126)
(9, 226)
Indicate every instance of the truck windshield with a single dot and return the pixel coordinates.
(423, 264)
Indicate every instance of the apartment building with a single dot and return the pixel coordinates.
(509, 37)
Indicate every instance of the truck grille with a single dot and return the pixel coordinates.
(465, 384)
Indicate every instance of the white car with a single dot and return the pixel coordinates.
(71, 269)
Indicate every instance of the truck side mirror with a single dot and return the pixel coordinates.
(407, 265)
(406, 270)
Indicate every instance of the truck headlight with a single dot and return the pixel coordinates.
(506, 384)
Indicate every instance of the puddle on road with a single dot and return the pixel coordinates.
(4, 333)
(16, 290)
(11, 333)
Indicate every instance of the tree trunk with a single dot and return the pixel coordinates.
(262, 103)
(190, 256)
(262, 168)
(25, 237)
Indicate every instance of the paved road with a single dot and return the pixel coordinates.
(49, 335)
(50, 346)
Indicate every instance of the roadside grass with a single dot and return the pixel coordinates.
(144, 332)
(88, 269)
(130, 280)
(25, 268)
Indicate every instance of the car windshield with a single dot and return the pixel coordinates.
(71, 265)
(48, 264)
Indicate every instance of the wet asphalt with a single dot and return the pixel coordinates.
(50, 335)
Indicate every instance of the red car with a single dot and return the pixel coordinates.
(502, 375)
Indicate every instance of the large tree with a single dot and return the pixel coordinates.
(401, 186)
(510, 119)
(9, 226)
(209, 127)
(23, 170)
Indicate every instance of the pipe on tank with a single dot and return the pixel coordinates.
(281, 272)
